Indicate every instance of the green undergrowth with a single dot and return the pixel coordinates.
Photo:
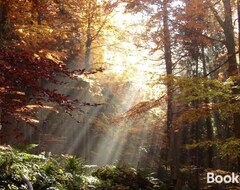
(45, 171)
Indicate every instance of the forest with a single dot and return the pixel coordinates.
(119, 94)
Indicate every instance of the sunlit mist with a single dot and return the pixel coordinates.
(90, 132)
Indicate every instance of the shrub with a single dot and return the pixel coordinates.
(122, 177)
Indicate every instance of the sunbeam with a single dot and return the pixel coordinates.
(90, 132)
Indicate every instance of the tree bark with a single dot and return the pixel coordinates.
(208, 119)
(229, 35)
(89, 38)
(238, 10)
(173, 135)
(37, 8)
(228, 29)
(3, 17)
(88, 50)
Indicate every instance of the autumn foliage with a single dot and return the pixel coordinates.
(39, 39)
(22, 76)
(35, 51)
(189, 119)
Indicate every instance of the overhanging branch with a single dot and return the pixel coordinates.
(218, 67)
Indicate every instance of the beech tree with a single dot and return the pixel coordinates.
(198, 104)
(201, 37)
(96, 18)
(161, 32)
(36, 46)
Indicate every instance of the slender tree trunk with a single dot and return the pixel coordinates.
(172, 135)
(209, 138)
(37, 9)
(236, 116)
(168, 61)
(197, 69)
(233, 67)
(238, 10)
(88, 50)
(89, 38)
(228, 29)
(3, 16)
(229, 35)
(167, 41)
(208, 119)
(204, 61)
(197, 135)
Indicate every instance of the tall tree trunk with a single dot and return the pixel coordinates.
(88, 49)
(172, 135)
(204, 61)
(3, 16)
(168, 61)
(208, 119)
(238, 10)
(229, 35)
(233, 67)
(228, 29)
(38, 9)
(198, 153)
(209, 138)
(227, 26)
(89, 38)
